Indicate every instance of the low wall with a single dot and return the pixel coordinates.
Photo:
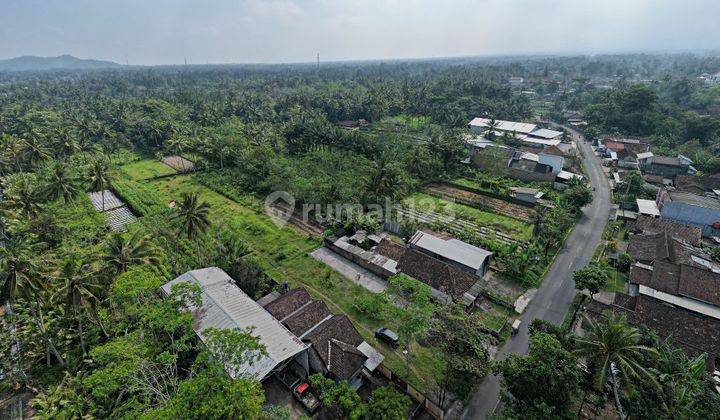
(357, 258)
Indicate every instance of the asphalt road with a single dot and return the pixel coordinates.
(554, 297)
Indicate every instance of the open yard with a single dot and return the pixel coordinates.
(285, 254)
(146, 169)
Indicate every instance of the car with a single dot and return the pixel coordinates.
(388, 336)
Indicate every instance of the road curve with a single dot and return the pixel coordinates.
(554, 297)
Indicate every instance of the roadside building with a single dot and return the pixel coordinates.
(668, 167)
(453, 251)
(650, 225)
(698, 184)
(692, 209)
(452, 268)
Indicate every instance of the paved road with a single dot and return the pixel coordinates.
(558, 290)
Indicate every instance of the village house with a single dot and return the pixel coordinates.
(668, 167)
(224, 305)
(525, 132)
(452, 268)
(515, 81)
(695, 210)
(336, 348)
(698, 184)
(353, 124)
(674, 288)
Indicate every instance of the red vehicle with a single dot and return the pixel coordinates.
(306, 397)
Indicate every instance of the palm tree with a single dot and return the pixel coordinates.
(385, 180)
(80, 291)
(60, 183)
(194, 216)
(21, 278)
(681, 379)
(65, 141)
(122, 251)
(613, 347)
(34, 151)
(100, 177)
(25, 197)
(490, 129)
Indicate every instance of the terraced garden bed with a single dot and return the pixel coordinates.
(455, 218)
(492, 204)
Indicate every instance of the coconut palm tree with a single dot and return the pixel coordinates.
(100, 177)
(61, 183)
(613, 347)
(122, 251)
(682, 380)
(24, 196)
(80, 291)
(34, 152)
(194, 216)
(65, 142)
(385, 179)
(21, 278)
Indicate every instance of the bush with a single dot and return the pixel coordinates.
(372, 305)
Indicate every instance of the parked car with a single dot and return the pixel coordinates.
(303, 394)
(387, 335)
(515, 327)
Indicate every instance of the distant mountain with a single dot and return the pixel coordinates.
(62, 62)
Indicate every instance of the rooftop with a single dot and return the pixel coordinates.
(224, 305)
(518, 127)
(441, 276)
(666, 160)
(546, 133)
(451, 249)
(694, 199)
(647, 207)
(645, 224)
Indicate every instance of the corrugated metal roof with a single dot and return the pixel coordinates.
(546, 133)
(452, 249)
(647, 207)
(224, 305)
(544, 142)
(374, 357)
(517, 127)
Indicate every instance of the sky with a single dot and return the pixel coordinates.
(149, 32)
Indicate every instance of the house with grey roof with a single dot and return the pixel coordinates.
(692, 209)
(666, 166)
(225, 306)
(453, 251)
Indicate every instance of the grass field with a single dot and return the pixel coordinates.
(284, 253)
(515, 227)
(146, 169)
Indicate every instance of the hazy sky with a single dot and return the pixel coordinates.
(240, 31)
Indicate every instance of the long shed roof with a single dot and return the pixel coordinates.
(224, 305)
(518, 127)
(452, 249)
